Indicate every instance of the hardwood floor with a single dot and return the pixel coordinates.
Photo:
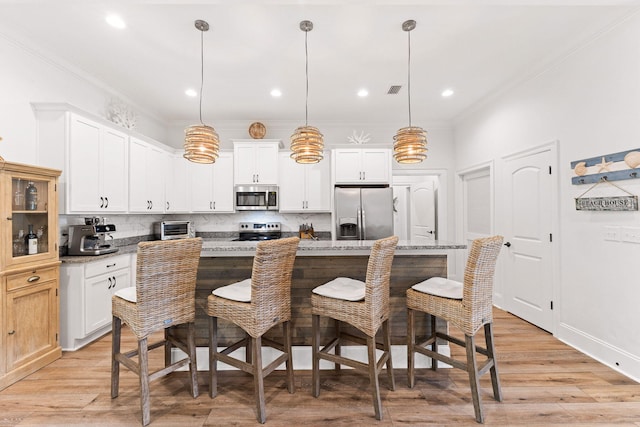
(544, 382)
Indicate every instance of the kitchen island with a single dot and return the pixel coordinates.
(317, 262)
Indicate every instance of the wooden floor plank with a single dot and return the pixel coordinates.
(544, 382)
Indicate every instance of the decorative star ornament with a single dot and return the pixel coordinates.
(604, 166)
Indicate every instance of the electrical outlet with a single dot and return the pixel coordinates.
(630, 234)
(612, 233)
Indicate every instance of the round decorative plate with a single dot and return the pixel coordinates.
(257, 130)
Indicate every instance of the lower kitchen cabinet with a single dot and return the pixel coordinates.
(30, 317)
(85, 298)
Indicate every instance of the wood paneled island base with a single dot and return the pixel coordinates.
(309, 272)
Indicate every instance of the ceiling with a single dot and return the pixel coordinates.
(477, 48)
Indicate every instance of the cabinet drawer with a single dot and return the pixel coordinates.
(31, 277)
(107, 265)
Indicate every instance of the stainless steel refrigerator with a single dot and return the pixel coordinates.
(363, 213)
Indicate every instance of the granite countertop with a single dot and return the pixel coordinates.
(307, 247)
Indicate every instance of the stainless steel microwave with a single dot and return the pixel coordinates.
(256, 197)
(170, 230)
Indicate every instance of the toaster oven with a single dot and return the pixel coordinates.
(170, 230)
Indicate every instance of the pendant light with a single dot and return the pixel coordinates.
(201, 142)
(410, 143)
(306, 141)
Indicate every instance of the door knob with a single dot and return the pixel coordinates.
(508, 244)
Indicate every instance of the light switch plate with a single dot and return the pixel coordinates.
(612, 233)
(630, 234)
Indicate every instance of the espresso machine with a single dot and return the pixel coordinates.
(90, 238)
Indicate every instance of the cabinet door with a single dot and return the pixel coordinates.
(244, 164)
(32, 323)
(156, 168)
(266, 163)
(114, 168)
(348, 166)
(83, 167)
(201, 184)
(223, 183)
(138, 197)
(376, 165)
(97, 302)
(176, 186)
(318, 186)
(292, 184)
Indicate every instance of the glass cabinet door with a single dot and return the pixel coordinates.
(32, 218)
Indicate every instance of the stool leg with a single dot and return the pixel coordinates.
(495, 379)
(411, 342)
(337, 348)
(116, 326)
(213, 359)
(434, 346)
(474, 380)
(167, 347)
(373, 377)
(143, 360)
(247, 349)
(193, 363)
(258, 379)
(386, 332)
(315, 348)
(286, 330)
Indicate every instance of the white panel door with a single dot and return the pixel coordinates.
(528, 204)
(423, 212)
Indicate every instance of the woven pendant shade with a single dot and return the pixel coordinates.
(307, 145)
(306, 141)
(201, 144)
(410, 145)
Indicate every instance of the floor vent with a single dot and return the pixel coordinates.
(394, 89)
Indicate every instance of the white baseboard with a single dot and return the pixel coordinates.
(302, 357)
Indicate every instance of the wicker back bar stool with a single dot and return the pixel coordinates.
(164, 296)
(256, 305)
(364, 305)
(468, 306)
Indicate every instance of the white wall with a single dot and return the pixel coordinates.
(26, 77)
(590, 103)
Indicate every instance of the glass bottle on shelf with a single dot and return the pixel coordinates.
(31, 242)
(18, 196)
(31, 197)
(18, 244)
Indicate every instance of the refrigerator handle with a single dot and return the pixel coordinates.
(363, 226)
(359, 223)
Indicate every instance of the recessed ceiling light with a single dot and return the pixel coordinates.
(362, 93)
(190, 92)
(447, 93)
(115, 21)
(276, 93)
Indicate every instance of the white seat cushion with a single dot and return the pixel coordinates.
(240, 291)
(440, 287)
(342, 288)
(128, 294)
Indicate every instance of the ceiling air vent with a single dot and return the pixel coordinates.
(394, 89)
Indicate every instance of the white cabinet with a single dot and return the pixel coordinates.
(362, 165)
(304, 188)
(85, 298)
(212, 185)
(147, 167)
(96, 167)
(177, 185)
(256, 162)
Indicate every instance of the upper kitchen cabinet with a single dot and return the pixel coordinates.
(304, 187)
(147, 167)
(362, 165)
(92, 155)
(212, 185)
(177, 184)
(256, 162)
